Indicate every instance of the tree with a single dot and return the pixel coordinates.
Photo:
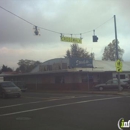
(110, 52)
(27, 65)
(78, 52)
(6, 69)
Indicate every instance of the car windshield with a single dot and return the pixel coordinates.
(19, 83)
(115, 82)
(109, 82)
(8, 84)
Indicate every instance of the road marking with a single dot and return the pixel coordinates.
(19, 104)
(48, 100)
(60, 105)
(127, 96)
(35, 97)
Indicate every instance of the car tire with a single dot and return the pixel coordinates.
(3, 95)
(101, 88)
(18, 96)
(128, 87)
(121, 88)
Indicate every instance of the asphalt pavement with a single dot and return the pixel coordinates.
(64, 111)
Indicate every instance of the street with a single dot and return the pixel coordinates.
(63, 111)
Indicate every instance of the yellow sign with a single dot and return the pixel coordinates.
(71, 39)
(118, 63)
(118, 69)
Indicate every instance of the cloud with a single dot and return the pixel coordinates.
(64, 17)
(10, 56)
(17, 39)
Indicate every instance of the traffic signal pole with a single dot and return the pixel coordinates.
(117, 55)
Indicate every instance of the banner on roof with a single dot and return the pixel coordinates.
(81, 62)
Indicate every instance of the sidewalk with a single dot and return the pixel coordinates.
(127, 92)
(110, 92)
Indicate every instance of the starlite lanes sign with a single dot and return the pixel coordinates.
(81, 62)
(71, 39)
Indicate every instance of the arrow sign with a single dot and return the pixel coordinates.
(118, 69)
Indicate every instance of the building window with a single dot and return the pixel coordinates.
(87, 78)
(59, 79)
(121, 76)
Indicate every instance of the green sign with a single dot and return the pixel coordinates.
(71, 39)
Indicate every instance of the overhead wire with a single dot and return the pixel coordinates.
(16, 15)
(27, 21)
(49, 30)
(53, 30)
(103, 23)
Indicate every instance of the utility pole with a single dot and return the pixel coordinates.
(117, 56)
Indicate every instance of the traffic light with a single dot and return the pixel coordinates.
(36, 30)
(95, 38)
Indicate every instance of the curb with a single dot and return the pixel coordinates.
(85, 92)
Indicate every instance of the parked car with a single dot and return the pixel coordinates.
(112, 84)
(8, 88)
(127, 81)
(21, 85)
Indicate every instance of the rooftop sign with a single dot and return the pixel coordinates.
(81, 62)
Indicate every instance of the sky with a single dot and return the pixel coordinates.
(17, 39)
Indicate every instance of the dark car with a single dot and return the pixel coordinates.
(112, 84)
(21, 85)
(128, 82)
(8, 88)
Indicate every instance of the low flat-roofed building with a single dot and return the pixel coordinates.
(69, 74)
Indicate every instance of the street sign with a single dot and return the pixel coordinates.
(118, 69)
(71, 39)
(118, 63)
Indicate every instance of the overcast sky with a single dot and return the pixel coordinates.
(17, 40)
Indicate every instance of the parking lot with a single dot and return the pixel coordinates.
(63, 111)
